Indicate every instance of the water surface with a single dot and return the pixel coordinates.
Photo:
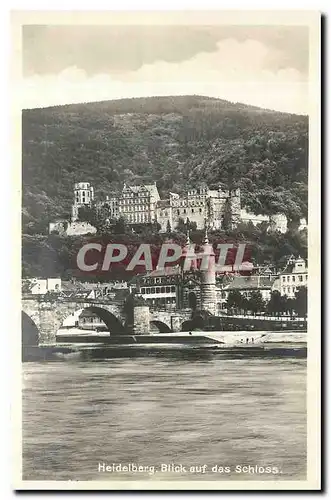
(154, 410)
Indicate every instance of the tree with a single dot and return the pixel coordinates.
(181, 226)
(256, 303)
(120, 226)
(289, 306)
(156, 226)
(301, 302)
(235, 301)
(98, 218)
(227, 217)
(275, 303)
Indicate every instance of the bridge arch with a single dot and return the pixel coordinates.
(30, 331)
(196, 323)
(159, 326)
(113, 324)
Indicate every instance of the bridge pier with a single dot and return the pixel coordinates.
(176, 323)
(141, 325)
(48, 324)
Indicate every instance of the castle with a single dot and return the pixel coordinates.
(214, 208)
(200, 206)
(143, 205)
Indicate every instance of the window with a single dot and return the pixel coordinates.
(293, 278)
(158, 289)
(168, 289)
(173, 288)
(288, 278)
(289, 289)
(152, 290)
(178, 212)
(293, 289)
(200, 210)
(306, 277)
(284, 279)
(162, 289)
(192, 210)
(300, 278)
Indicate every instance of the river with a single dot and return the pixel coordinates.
(197, 418)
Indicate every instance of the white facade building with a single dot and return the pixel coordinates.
(40, 286)
(294, 276)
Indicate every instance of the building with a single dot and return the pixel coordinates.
(246, 285)
(137, 204)
(294, 276)
(303, 224)
(216, 208)
(175, 287)
(277, 222)
(199, 206)
(160, 288)
(112, 205)
(41, 286)
(83, 197)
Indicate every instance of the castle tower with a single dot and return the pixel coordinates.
(83, 196)
(208, 278)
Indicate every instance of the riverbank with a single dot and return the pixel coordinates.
(75, 347)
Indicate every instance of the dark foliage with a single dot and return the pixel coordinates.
(176, 141)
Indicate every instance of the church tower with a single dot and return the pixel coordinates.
(208, 277)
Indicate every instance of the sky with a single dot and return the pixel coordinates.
(265, 66)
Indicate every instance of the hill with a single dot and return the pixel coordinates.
(176, 141)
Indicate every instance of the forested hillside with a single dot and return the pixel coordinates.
(176, 141)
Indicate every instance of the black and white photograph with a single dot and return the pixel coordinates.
(170, 230)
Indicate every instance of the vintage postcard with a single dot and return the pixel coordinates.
(168, 171)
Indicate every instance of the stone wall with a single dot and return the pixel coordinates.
(71, 229)
(57, 227)
(80, 228)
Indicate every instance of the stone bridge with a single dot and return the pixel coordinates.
(169, 321)
(42, 318)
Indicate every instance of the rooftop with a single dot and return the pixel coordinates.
(250, 282)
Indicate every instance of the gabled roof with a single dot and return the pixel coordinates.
(153, 190)
(150, 188)
(250, 282)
